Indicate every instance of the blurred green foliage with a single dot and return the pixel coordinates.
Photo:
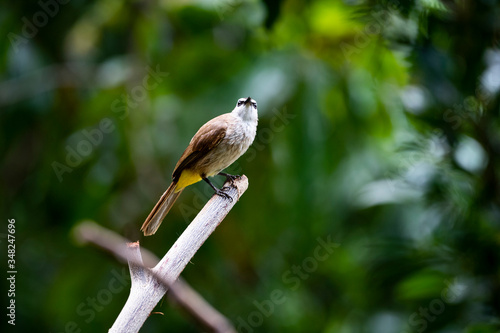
(379, 132)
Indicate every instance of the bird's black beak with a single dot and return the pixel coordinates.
(248, 100)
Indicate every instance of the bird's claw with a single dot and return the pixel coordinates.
(232, 178)
(229, 178)
(223, 194)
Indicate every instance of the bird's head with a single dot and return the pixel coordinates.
(246, 108)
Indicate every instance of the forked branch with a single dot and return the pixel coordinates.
(150, 284)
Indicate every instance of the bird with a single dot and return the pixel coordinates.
(214, 147)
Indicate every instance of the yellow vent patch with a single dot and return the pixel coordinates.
(187, 178)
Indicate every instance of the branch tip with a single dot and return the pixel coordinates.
(133, 244)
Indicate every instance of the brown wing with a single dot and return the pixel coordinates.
(207, 137)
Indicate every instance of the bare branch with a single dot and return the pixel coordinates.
(149, 285)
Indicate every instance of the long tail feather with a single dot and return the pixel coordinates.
(160, 210)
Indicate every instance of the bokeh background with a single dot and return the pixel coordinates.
(379, 134)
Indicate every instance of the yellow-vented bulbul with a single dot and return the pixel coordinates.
(215, 146)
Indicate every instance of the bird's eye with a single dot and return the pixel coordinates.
(240, 103)
(254, 105)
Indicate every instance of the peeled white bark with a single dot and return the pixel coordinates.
(146, 291)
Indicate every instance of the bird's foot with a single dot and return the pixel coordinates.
(220, 192)
(223, 194)
(229, 178)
